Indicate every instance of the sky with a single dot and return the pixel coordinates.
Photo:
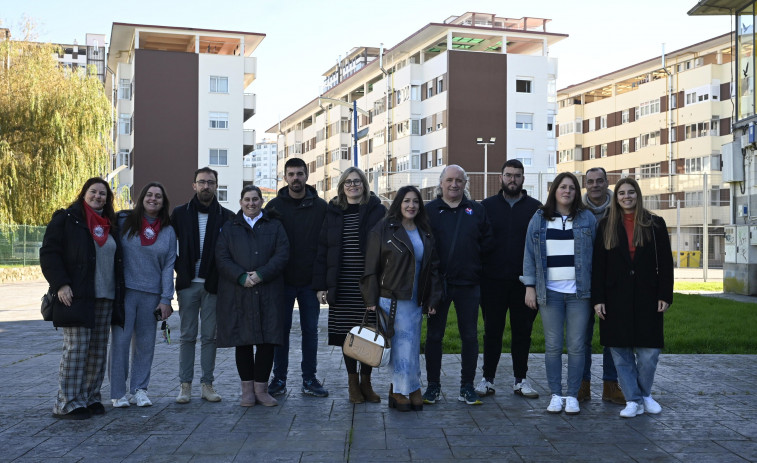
(305, 38)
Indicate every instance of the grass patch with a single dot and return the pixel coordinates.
(693, 325)
(714, 286)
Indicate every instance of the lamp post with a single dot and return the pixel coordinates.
(480, 141)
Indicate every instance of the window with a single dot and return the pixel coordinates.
(551, 125)
(673, 135)
(415, 126)
(219, 84)
(565, 155)
(603, 122)
(218, 157)
(124, 124)
(692, 165)
(592, 152)
(219, 120)
(715, 196)
(524, 121)
(429, 90)
(649, 107)
(222, 193)
(523, 86)
(624, 117)
(693, 198)
(650, 170)
(624, 146)
(652, 202)
(603, 150)
(591, 124)
(440, 85)
(439, 157)
(525, 156)
(647, 139)
(415, 160)
(124, 89)
(429, 160)
(122, 159)
(415, 92)
(673, 101)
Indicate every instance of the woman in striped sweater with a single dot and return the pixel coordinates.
(557, 275)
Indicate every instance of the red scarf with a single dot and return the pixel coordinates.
(99, 226)
(149, 233)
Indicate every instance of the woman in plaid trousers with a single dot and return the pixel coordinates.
(81, 260)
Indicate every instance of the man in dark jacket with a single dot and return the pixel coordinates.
(509, 212)
(197, 225)
(463, 235)
(597, 199)
(302, 213)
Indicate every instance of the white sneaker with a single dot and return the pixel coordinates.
(524, 388)
(632, 409)
(571, 406)
(485, 387)
(123, 402)
(651, 405)
(555, 405)
(185, 393)
(140, 398)
(209, 394)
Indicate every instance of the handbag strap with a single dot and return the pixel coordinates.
(384, 322)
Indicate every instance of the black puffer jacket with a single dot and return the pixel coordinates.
(253, 315)
(328, 262)
(390, 267)
(67, 257)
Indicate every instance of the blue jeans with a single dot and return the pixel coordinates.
(564, 312)
(608, 366)
(310, 309)
(636, 372)
(466, 300)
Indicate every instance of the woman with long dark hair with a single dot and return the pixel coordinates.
(339, 265)
(632, 287)
(81, 260)
(149, 246)
(557, 276)
(251, 253)
(402, 278)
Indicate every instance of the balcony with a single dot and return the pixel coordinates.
(250, 69)
(249, 105)
(248, 141)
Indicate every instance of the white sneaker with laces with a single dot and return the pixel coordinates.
(651, 405)
(632, 409)
(485, 387)
(140, 398)
(185, 393)
(555, 405)
(524, 389)
(123, 402)
(571, 406)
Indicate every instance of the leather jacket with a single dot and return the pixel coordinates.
(390, 267)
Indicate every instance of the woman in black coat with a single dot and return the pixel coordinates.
(339, 266)
(632, 287)
(251, 253)
(81, 260)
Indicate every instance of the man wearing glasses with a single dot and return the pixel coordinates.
(197, 225)
(509, 212)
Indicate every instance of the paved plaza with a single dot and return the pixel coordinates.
(709, 412)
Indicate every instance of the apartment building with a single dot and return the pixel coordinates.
(423, 103)
(92, 53)
(263, 160)
(181, 101)
(664, 123)
(740, 155)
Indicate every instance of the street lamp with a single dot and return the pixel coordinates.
(480, 141)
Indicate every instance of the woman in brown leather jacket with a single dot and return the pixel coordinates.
(402, 277)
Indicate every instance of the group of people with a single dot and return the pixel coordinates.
(238, 277)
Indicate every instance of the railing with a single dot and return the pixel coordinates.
(19, 244)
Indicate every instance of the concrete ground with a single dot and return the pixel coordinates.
(709, 412)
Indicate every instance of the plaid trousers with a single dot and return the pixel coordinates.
(82, 366)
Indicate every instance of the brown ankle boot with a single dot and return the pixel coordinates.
(367, 389)
(584, 392)
(248, 394)
(398, 401)
(356, 397)
(611, 392)
(262, 396)
(416, 400)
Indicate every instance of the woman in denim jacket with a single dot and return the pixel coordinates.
(557, 276)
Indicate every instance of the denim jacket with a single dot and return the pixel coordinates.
(535, 256)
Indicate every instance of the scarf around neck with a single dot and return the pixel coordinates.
(149, 233)
(99, 226)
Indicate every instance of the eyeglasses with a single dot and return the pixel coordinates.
(166, 332)
(206, 182)
(515, 176)
(356, 182)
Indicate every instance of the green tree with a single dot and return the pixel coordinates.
(54, 132)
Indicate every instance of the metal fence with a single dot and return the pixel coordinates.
(19, 244)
